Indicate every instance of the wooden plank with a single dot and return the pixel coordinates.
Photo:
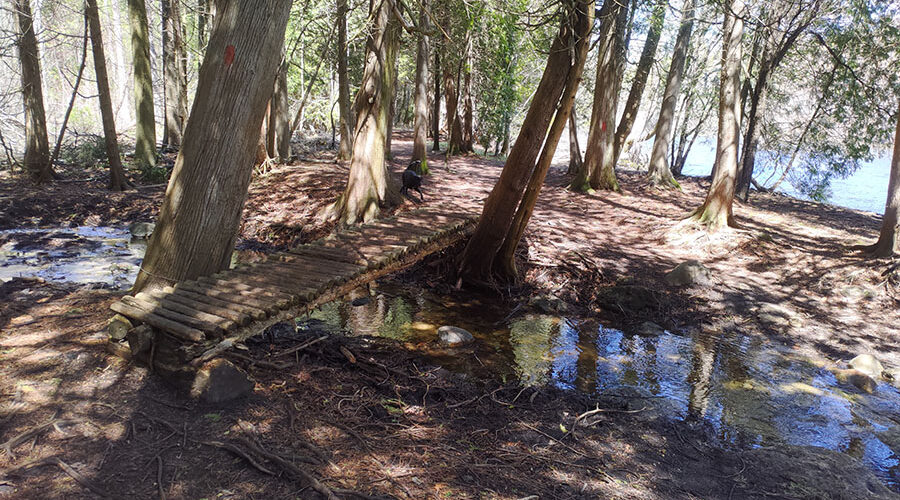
(301, 289)
(226, 281)
(175, 328)
(332, 254)
(209, 291)
(319, 263)
(209, 328)
(164, 301)
(254, 312)
(230, 314)
(304, 270)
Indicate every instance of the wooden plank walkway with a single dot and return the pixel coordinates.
(202, 318)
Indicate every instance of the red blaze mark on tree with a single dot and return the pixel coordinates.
(229, 55)
(603, 126)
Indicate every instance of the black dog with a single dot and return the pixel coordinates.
(412, 179)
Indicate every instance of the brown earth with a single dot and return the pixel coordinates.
(77, 422)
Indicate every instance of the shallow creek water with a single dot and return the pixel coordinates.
(750, 391)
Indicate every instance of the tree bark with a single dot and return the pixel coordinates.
(346, 146)
(62, 128)
(281, 114)
(886, 245)
(37, 145)
(117, 179)
(145, 133)
(370, 185)
(420, 122)
(574, 149)
(648, 54)
(716, 209)
(598, 168)
(200, 216)
(392, 40)
(479, 260)
(436, 112)
(174, 77)
(468, 130)
(454, 125)
(658, 170)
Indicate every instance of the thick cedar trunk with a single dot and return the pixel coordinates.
(346, 147)
(887, 240)
(574, 148)
(281, 115)
(174, 78)
(581, 23)
(648, 53)
(658, 170)
(117, 180)
(479, 260)
(37, 146)
(716, 209)
(200, 216)
(436, 112)
(420, 121)
(145, 133)
(370, 185)
(598, 168)
(454, 125)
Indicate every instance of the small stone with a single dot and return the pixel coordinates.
(867, 364)
(451, 336)
(219, 381)
(856, 378)
(691, 272)
(778, 315)
(141, 229)
(650, 329)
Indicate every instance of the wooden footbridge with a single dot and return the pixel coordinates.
(182, 327)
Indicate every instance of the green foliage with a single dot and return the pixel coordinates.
(84, 151)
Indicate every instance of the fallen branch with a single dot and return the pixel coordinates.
(83, 481)
(34, 431)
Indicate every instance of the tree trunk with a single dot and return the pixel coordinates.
(574, 148)
(347, 125)
(420, 122)
(598, 169)
(887, 240)
(582, 21)
(393, 39)
(117, 179)
(658, 170)
(716, 210)
(370, 185)
(648, 53)
(436, 112)
(37, 145)
(468, 131)
(200, 216)
(454, 125)
(62, 128)
(174, 77)
(145, 133)
(281, 114)
(479, 262)
(751, 136)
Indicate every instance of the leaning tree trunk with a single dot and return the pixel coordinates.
(479, 260)
(887, 240)
(574, 149)
(145, 133)
(346, 147)
(370, 185)
(648, 53)
(658, 170)
(436, 112)
(598, 168)
(174, 78)
(117, 179)
(716, 209)
(37, 146)
(420, 122)
(200, 216)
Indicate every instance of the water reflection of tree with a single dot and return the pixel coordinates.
(530, 340)
(586, 365)
(395, 319)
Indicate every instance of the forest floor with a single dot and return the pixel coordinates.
(77, 422)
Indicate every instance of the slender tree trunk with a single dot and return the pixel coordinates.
(37, 145)
(200, 216)
(281, 112)
(716, 210)
(648, 54)
(393, 40)
(468, 132)
(145, 133)
(370, 185)
(65, 122)
(436, 112)
(420, 124)
(574, 148)
(479, 262)
(658, 170)
(598, 168)
(347, 125)
(751, 136)
(174, 77)
(886, 245)
(454, 125)
(117, 179)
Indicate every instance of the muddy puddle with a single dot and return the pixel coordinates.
(748, 391)
(106, 256)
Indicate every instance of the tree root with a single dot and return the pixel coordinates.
(83, 481)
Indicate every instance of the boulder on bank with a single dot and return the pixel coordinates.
(650, 329)
(856, 378)
(141, 229)
(867, 364)
(691, 272)
(778, 315)
(453, 336)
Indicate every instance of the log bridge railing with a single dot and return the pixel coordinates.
(179, 328)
